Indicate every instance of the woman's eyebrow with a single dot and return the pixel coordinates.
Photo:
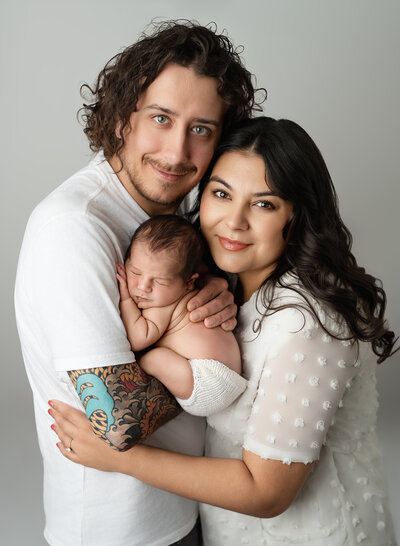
(216, 178)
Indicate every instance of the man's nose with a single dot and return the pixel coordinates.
(177, 149)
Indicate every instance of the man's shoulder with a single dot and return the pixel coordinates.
(74, 194)
(91, 196)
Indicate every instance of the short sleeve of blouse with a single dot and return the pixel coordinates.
(304, 377)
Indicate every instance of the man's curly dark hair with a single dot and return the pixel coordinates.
(119, 85)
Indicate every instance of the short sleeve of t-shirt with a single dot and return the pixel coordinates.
(304, 377)
(71, 288)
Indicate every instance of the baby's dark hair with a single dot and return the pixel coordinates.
(175, 234)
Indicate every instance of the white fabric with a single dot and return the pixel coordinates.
(67, 313)
(309, 397)
(215, 387)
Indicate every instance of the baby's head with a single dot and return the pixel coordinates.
(163, 260)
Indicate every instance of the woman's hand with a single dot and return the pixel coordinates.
(75, 432)
(214, 305)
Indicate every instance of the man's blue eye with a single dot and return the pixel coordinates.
(161, 119)
(199, 130)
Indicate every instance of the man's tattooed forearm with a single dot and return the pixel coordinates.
(123, 403)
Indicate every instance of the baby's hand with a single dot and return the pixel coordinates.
(122, 284)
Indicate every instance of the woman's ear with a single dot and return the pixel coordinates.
(191, 281)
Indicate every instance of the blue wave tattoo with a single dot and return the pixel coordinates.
(95, 396)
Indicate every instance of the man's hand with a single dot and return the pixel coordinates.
(214, 305)
(122, 283)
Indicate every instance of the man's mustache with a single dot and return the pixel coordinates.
(178, 168)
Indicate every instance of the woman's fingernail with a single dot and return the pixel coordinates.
(53, 426)
(50, 403)
(58, 444)
(50, 411)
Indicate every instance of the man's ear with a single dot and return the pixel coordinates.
(190, 282)
(118, 129)
(126, 129)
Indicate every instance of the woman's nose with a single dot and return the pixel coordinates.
(236, 219)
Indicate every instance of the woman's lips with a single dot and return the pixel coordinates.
(230, 244)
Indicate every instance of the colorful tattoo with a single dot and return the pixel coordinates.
(94, 396)
(123, 403)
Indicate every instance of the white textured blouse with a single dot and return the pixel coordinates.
(309, 397)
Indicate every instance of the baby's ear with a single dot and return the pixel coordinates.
(191, 281)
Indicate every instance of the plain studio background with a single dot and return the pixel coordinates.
(330, 66)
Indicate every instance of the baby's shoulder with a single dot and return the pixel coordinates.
(180, 312)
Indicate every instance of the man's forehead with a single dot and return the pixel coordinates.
(178, 89)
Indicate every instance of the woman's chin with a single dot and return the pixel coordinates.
(228, 268)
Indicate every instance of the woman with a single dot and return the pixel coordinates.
(298, 450)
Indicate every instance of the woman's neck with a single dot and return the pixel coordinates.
(250, 281)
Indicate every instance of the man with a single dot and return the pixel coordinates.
(157, 113)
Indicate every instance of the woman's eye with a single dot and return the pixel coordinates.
(221, 194)
(265, 205)
(200, 130)
(159, 118)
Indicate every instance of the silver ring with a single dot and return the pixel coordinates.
(69, 448)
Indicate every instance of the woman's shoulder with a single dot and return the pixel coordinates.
(288, 300)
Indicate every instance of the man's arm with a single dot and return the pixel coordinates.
(123, 404)
(70, 283)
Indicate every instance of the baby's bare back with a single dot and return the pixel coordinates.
(194, 340)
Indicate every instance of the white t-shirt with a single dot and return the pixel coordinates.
(310, 397)
(68, 318)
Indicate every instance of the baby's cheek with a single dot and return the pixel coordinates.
(131, 286)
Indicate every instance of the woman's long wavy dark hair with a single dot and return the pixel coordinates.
(318, 247)
(119, 85)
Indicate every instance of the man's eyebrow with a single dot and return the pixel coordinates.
(161, 108)
(172, 113)
(216, 178)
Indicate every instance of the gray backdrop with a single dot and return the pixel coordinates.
(331, 66)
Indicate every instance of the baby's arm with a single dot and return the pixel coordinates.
(201, 386)
(143, 329)
(172, 369)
